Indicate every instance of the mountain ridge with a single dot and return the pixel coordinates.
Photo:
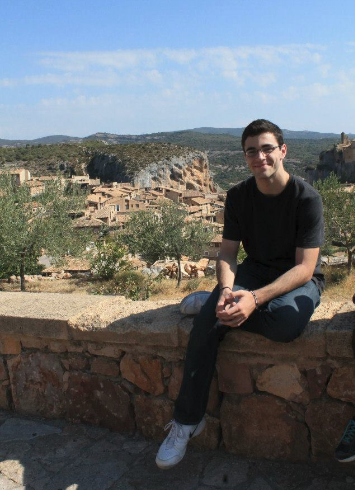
(129, 138)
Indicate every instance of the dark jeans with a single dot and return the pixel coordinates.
(283, 319)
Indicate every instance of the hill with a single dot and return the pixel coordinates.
(226, 158)
(303, 135)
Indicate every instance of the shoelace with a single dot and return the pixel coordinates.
(349, 433)
(173, 434)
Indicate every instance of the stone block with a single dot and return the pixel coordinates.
(3, 372)
(37, 384)
(310, 344)
(261, 426)
(210, 437)
(105, 350)
(65, 364)
(9, 345)
(144, 371)
(77, 362)
(285, 381)
(98, 401)
(233, 376)
(214, 397)
(175, 381)
(317, 379)
(33, 343)
(105, 367)
(57, 346)
(340, 331)
(152, 415)
(184, 329)
(167, 370)
(75, 347)
(129, 322)
(327, 420)
(42, 315)
(5, 394)
(342, 384)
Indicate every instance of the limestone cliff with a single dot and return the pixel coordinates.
(178, 168)
(339, 160)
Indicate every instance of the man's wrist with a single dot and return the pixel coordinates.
(225, 287)
(255, 299)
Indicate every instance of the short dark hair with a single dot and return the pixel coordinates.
(260, 126)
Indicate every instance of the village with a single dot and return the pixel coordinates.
(110, 205)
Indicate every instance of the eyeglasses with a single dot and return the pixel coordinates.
(265, 150)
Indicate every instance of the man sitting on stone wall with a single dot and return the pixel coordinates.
(278, 218)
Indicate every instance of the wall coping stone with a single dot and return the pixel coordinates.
(113, 319)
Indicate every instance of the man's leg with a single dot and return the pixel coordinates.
(201, 353)
(192, 400)
(284, 318)
(200, 363)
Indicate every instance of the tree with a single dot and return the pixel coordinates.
(166, 233)
(108, 258)
(29, 224)
(339, 214)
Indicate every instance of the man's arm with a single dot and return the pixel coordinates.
(226, 270)
(302, 272)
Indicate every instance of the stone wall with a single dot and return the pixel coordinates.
(118, 364)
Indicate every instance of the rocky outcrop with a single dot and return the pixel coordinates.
(191, 171)
(339, 160)
(187, 169)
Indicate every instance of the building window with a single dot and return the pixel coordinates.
(117, 207)
(205, 253)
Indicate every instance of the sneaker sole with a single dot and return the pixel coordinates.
(347, 460)
(166, 465)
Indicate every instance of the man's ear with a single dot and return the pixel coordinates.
(284, 150)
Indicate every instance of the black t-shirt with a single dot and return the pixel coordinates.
(271, 227)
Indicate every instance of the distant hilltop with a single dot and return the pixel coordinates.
(340, 160)
(111, 138)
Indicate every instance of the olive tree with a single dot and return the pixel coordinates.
(339, 214)
(28, 224)
(167, 232)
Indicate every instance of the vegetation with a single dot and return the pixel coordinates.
(166, 234)
(339, 206)
(108, 258)
(27, 225)
(133, 153)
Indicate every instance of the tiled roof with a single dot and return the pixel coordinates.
(87, 222)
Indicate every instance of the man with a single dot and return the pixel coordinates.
(279, 220)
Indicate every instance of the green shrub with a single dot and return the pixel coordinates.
(107, 259)
(192, 285)
(133, 285)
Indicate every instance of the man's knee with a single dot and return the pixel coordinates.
(287, 322)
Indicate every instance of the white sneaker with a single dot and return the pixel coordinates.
(192, 304)
(173, 448)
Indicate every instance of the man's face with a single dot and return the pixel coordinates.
(264, 166)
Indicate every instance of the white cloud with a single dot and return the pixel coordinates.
(181, 56)
(81, 61)
(161, 89)
(8, 82)
(325, 70)
(265, 98)
(291, 93)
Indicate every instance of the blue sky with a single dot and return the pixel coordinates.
(140, 66)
